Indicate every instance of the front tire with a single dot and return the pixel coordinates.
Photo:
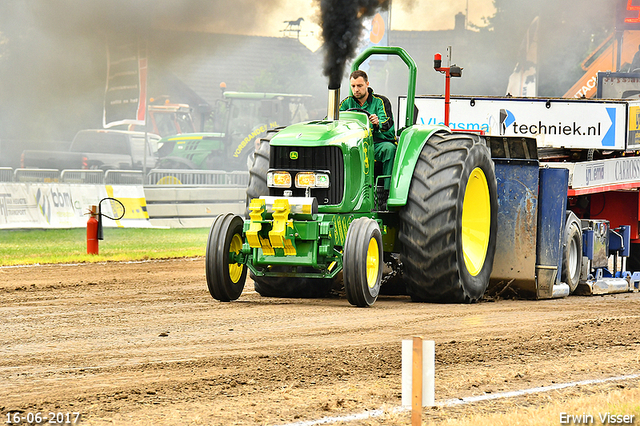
(449, 224)
(362, 262)
(225, 280)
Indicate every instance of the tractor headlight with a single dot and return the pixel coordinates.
(305, 180)
(278, 179)
(322, 180)
(312, 180)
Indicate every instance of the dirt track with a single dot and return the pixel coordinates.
(144, 343)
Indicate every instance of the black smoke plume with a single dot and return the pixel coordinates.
(341, 22)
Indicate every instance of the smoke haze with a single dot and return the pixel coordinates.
(341, 23)
(53, 52)
(87, 18)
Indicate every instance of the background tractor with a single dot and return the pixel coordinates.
(166, 118)
(316, 215)
(231, 133)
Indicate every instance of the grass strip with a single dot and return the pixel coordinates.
(40, 246)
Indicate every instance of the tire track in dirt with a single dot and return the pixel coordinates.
(136, 343)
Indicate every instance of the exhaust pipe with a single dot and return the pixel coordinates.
(333, 108)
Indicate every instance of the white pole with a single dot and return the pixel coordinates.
(427, 375)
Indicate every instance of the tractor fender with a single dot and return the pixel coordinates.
(409, 148)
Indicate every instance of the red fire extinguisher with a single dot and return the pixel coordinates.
(94, 224)
(92, 231)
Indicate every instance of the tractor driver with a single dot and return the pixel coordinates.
(379, 108)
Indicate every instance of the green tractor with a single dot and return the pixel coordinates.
(317, 220)
(232, 132)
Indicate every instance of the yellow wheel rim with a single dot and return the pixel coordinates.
(235, 269)
(476, 221)
(169, 180)
(373, 263)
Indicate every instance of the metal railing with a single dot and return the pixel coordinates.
(6, 174)
(82, 176)
(123, 177)
(238, 178)
(197, 177)
(36, 175)
(127, 177)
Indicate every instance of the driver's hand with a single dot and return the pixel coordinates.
(374, 119)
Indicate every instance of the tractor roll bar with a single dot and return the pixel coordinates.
(408, 60)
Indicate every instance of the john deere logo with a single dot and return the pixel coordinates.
(293, 155)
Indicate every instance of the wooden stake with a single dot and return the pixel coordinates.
(416, 383)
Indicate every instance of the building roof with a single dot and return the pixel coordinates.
(236, 60)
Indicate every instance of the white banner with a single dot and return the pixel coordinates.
(554, 123)
(606, 172)
(46, 205)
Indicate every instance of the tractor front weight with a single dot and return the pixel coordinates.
(289, 232)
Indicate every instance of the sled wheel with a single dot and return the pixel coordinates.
(572, 253)
(449, 224)
(362, 262)
(225, 279)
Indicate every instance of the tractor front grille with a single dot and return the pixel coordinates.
(316, 158)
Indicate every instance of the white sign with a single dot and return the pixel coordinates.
(618, 85)
(49, 205)
(606, 172)
(581, 124)
(428, 372)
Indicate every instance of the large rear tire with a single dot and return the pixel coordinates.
(362, 263)
(449, 224)
(225, 280)
(257, 186)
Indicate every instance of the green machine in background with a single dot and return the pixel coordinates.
(232, 131)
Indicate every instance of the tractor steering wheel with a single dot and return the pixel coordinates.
(360, 110)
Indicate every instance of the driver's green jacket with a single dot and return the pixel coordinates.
(380, 106)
